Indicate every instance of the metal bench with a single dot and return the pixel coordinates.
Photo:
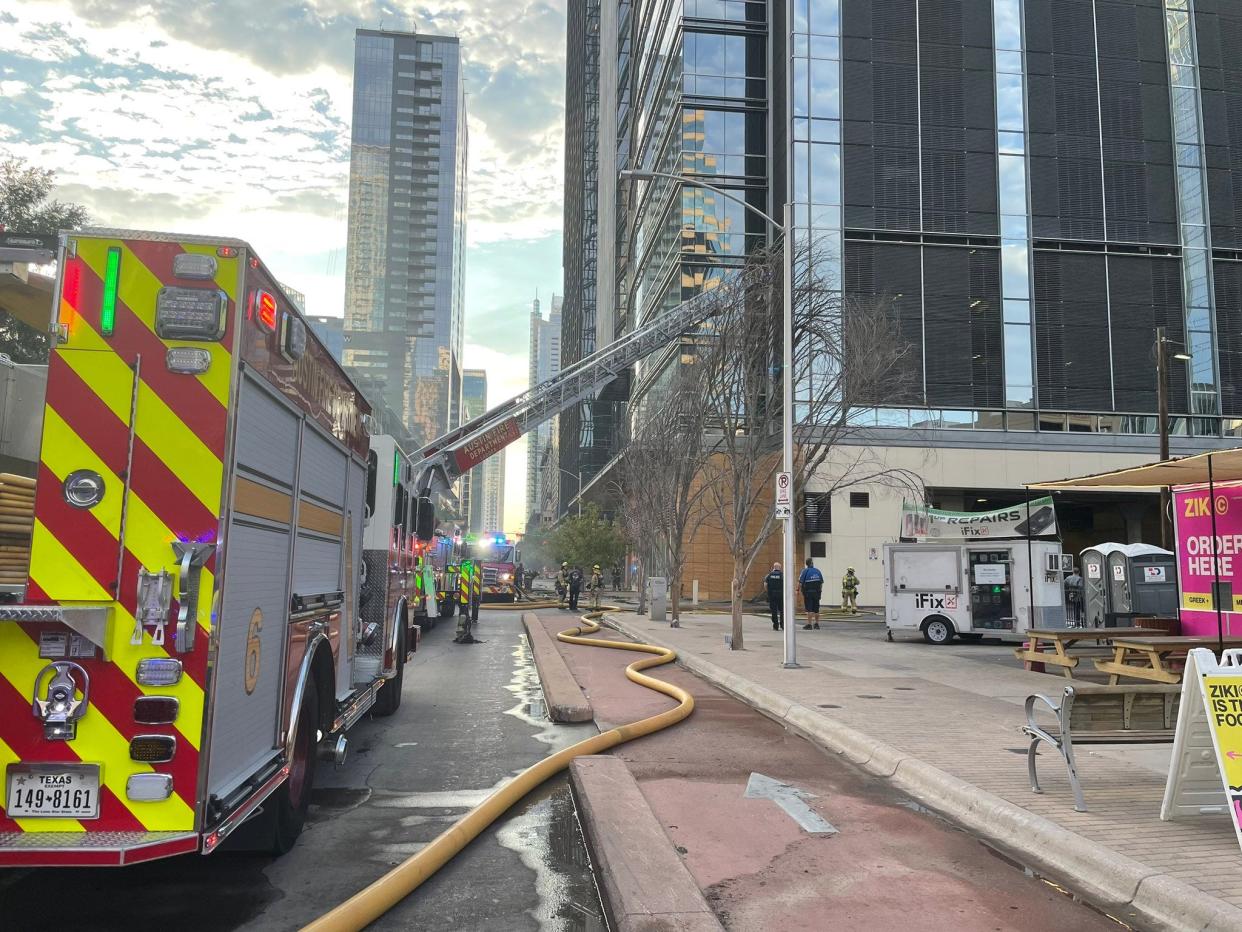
(1091, 714)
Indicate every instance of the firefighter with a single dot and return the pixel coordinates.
(562, 584)
(469, 612)
(575, 588)
(596, 585)
(849, 591)
(811, 582)
(774, 582)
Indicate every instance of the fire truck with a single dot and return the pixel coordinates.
(204, 607)
(497, 558)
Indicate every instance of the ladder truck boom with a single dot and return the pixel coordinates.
(450, 456)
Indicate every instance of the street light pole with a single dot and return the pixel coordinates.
(1162, 417)
(579, 478)
(786, 231)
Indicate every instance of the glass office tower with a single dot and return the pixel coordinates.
(407, 217)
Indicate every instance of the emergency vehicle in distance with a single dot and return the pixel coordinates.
(498, 557)
(187, 641)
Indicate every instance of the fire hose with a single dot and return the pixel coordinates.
(372, 902)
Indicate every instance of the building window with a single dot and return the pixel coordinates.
(860, 499)
(819, 548)
(816, 513)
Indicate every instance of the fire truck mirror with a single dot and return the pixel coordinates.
(425, 520)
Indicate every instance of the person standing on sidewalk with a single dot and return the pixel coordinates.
(562, 584)
(849, 591)
(811, 582)
(774, 582)
(596, 585)
(575, 588)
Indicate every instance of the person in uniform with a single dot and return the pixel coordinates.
(575, 588)
(596, 585)
(562, 584)
(811, 582)
(774, 582)
(465, 618)
(849, 591)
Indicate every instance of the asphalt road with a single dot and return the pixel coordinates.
(470, 718)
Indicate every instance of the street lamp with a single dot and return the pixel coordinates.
(1162, 415)
(786, 231)
(579, 478)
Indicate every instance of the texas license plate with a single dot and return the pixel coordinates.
(52, 791)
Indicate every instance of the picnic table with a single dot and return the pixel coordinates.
(1147, 658)
(1060, 639)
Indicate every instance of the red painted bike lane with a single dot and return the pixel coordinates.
(890, 866)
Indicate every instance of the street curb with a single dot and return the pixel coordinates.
(564, 697)
(1122, 886)
(646, 886)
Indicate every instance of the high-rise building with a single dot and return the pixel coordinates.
(1035, 186)
(331, 332)
(545, 362)
(473, 403)
(407, 221)
(493, 470)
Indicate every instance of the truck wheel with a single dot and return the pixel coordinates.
(288, 804)
(447, 608)
(937, 630)
(389, 698)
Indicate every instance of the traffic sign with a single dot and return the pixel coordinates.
(783, 512)
(784, 489)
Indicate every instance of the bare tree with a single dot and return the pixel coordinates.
(659, 491)
(847, 355)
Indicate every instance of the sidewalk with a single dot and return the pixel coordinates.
(943, 723)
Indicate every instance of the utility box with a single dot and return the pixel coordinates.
(22, 389)
(1124, 581)
(657, 591)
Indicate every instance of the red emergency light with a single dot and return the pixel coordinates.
(265, 309)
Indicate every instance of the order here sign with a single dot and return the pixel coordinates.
(1209, 555)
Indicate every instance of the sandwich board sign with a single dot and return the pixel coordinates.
(1205, 773)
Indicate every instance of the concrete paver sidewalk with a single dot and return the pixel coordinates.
(944, 723)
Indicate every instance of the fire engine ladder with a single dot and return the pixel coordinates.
(447, 458)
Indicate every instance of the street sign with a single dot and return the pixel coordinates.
(784, 496)
(783, 512)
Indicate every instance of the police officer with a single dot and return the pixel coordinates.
(774, 582)
(562, 584)
(811, 582)
(575, 588)
(849, 591)
(596, 585)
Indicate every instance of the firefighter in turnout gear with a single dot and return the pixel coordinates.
(595, 585)
(849, 591)
(562, 584)
(469, 607)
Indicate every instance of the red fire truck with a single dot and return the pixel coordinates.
(186, 641)
(498, 558)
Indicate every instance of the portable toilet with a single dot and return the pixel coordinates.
(1124, 581)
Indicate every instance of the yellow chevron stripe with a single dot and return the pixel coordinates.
(158, 427)
(137, 288)
(98, 740)
(226, 269)
(9, 756)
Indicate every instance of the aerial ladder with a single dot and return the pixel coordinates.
(448, 458)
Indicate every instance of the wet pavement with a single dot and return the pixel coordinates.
(470, 718)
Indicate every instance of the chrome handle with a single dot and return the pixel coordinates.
(191, 557)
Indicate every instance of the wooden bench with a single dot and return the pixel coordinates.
(1060, 639)
(1089, 714)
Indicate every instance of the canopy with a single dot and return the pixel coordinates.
(1226, 466)
(27, 298)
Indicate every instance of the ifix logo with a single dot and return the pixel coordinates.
(948, 601)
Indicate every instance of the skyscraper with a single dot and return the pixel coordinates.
(545, 362)
(1034, 185)
(330, 330)
(407, 210)
(473, 403)
(493, 470)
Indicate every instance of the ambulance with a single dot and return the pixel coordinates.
(184, 642)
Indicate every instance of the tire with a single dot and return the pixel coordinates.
(288, 805)
(447, 608)
(389, 698)
(938, 630)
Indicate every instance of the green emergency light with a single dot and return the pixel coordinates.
(112, 274)
(396, 467)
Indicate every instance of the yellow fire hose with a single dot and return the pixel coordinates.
(368, 905)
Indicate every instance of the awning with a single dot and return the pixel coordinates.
(1186, 470)
(28, 299)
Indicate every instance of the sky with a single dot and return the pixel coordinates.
(232, 117)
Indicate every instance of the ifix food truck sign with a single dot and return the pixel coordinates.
(1036, 519)
(1209, 555)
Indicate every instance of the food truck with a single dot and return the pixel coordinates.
(975, 574)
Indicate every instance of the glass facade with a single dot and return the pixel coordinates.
(406, 239)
